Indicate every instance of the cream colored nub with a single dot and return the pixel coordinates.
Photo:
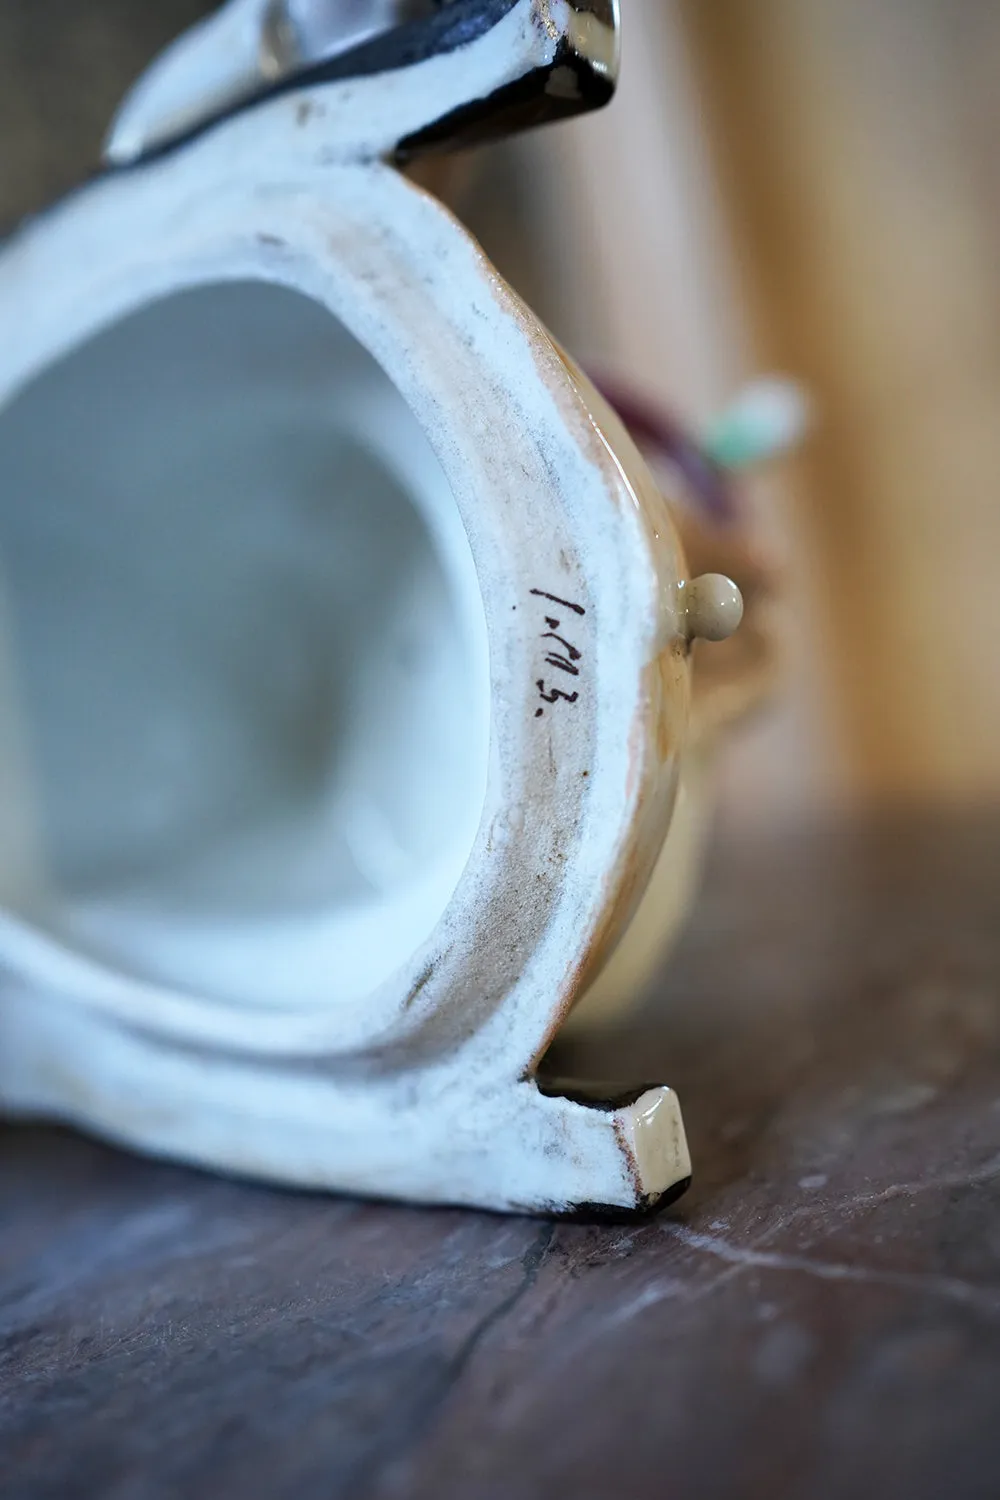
(714, 607)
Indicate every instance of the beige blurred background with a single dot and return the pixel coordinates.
(813, 186)
(810, 186)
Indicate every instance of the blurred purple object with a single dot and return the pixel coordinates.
(660, 435)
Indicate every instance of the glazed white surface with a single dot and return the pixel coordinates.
(241, 594)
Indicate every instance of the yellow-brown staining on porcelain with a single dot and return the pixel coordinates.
(671, 671)
(543, 16)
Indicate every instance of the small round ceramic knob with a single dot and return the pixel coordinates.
(714, 607)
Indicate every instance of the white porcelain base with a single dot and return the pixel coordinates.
(456, 1134)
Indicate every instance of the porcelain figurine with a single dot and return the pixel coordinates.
(347, 707)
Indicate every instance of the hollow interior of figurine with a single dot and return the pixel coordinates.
(244, 683)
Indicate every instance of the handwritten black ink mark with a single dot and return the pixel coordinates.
(577, 608)
(565, 658)
(555, 694)
(571, 651)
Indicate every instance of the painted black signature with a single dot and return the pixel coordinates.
(562, 655)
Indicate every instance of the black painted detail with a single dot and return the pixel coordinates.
(566, 604)
(520, 105)
(454, 26)
(525, 102)
(647, 1207)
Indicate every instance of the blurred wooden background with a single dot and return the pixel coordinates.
(814, 186)
(811, 186)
